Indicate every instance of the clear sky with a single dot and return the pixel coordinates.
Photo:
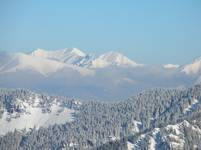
(149, 31)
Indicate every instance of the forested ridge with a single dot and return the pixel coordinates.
(102, 125)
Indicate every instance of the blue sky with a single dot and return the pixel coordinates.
(151, 32)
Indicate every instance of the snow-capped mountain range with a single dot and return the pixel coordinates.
(46, 62)
(74, 56)
(72, 72)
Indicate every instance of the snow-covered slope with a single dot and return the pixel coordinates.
(71, 56)
(114, 59)
(130, 146)
(24, 109)
(152, 120)
(77, 57)
(193, 68)
(169, 137)
(36, 111)
(192, 106)
(20, 61)
(23, 62)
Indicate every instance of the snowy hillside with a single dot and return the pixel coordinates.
(170, 137)
(34, 111)
(60, 55)
(72, 56)
(34, 116)
(113, 59)
(152, 120)
(23, 62)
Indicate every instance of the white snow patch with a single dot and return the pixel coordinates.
(136, 126)
(153, 139)
(130, 145)
(113, 138)
(152, 143)
(193, 104)
(33, 116)
(77, 102)
(174, 129)
(72, 144)
(176, 136)
(196, 129)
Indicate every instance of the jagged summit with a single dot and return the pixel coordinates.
(41, 52)
(67, 55)
(75, 56)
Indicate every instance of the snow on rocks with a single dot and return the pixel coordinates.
(32, 115)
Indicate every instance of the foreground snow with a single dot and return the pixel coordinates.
(35, 116)
(130, 146)
(193, 105)
(174, 136)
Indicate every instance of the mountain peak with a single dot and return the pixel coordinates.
(75, 56)
(67, 55)
(74, 51)
(114, 59)
(111, 55)
(38, 52)
(45, 53)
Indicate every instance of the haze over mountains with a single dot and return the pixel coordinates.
(154, 119)
(110, 76)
